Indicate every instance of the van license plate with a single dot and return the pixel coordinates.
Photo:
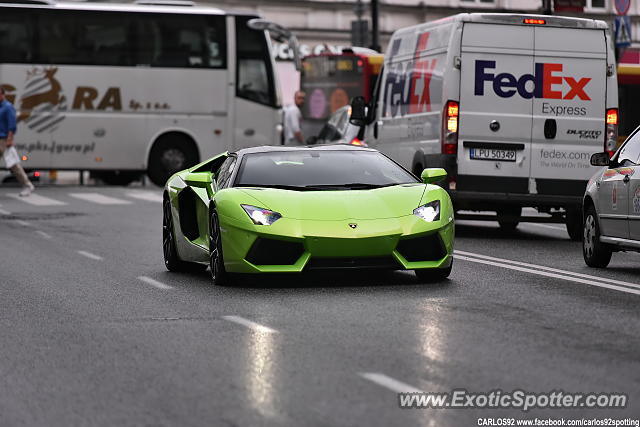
(492, 154)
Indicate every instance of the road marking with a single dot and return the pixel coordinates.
(631, 288)
(3, 212)
(249, 324)
(149, 281)
(23, 223)
(554, 270)
(37, 200)
(388, 382)
(99, 199)
(43, 234)
(148, 196)
(90, 255)
(551, 227)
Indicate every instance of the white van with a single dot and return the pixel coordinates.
(512, 106)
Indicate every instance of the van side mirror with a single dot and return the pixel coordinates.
(433, 175)
(358, 111)
(600, 159)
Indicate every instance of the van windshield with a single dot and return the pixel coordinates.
(321, 170)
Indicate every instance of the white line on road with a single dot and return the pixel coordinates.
(43, 234)
(36, 199)
(249, 324)
(553, 270)
(23, 223)
(148, 196)
(3, 212)
(149, 281)
(388, 382)
(99, 199)
(90, 255)
(537, 269)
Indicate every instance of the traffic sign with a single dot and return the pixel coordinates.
(622, 31)
(622, 6)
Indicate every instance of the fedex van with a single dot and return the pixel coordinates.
(512, 106)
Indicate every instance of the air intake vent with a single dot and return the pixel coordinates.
(386, 262)
(426, 248)
(188, 219)
(274, 252)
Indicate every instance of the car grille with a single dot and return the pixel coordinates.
(274, 252)
(425, 248)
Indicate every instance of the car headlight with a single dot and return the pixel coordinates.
(429, 212)
(261, 216)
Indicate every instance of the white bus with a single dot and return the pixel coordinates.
(124, 89)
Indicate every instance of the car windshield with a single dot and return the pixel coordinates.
(320, 170)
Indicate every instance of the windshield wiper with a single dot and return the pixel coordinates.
(350, 186)
(281, 187)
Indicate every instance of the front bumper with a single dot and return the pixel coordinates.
(292, 246)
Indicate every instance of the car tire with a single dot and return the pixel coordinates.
(171, 259)
(596, 254)
(573, 222)
(171, 153)
(433, 274)
(216, 261)
(509, 225)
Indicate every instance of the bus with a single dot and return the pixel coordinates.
(331, 80)
(123, 89)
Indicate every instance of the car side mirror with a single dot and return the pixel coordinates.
(199, 178)
(600, 159)
(433, 175)
(358, 111)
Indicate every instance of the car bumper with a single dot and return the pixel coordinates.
(293, 246)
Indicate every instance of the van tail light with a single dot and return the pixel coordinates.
(450, 122)
(611, 131)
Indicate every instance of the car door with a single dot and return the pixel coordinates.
(632, 150)
(614, 191)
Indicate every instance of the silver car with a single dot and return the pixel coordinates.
(611, 204)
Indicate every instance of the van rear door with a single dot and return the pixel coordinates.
(496, 101)
(568, 117)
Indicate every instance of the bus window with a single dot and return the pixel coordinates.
(181, 41)
(15, 37)
(81, 37)
(255, 76)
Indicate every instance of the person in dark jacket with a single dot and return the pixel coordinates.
(7, 132)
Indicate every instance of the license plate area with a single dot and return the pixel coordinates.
(494, 154)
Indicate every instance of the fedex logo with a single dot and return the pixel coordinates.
(407, 85)
(546, 82)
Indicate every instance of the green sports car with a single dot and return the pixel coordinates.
(292, 209)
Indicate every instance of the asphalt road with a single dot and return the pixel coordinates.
(95, 331)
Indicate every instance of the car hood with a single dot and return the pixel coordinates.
(385, 202)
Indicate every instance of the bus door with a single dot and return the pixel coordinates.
(256, 103)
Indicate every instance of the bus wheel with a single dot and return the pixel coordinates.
(117, 177)
(171, 153)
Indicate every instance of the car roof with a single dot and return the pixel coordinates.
(298, 148)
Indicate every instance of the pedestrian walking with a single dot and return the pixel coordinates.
(293, 120)
(7, 133)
